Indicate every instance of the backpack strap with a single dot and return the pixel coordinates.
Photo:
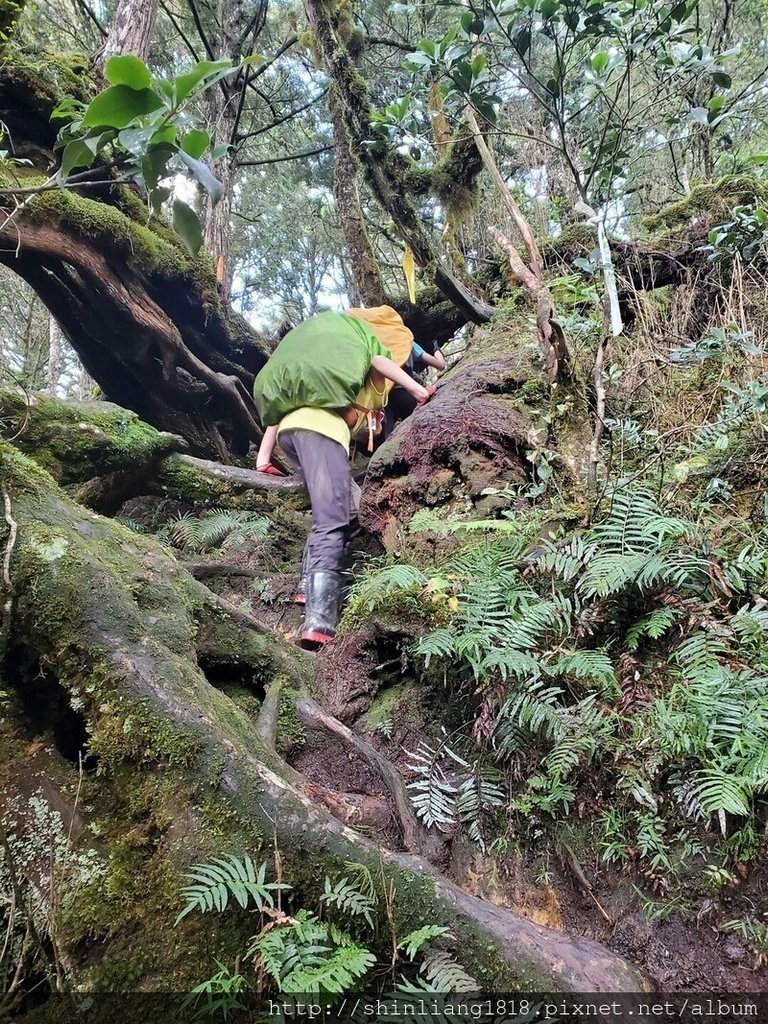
(375, 420)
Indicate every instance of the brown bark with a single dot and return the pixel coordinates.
(362, 260)
(130, 31)
(150, 335)
(224, 106)
(474, 434)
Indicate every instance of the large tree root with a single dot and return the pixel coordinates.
(76, 440)
(415, 837)
(473, 435)
(121, 626)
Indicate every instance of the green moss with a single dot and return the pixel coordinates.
(711, 200)
(576, 240)
(535, 390)
(243, 698)
(401, 701)
(49, 75)
(290, 732)
(75, 441)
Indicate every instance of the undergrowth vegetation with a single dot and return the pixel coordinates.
(348, 940)
(617, 671)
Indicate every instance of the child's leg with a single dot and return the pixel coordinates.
(264, 455)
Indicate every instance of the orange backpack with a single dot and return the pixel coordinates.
(388, 326)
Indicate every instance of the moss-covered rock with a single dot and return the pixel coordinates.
(75, 441)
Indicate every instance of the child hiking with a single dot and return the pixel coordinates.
(324, 380)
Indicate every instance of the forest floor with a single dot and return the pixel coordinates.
(678, 941)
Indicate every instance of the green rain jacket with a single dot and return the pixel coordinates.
(322, 364)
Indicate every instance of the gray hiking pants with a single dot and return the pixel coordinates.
(333, 494)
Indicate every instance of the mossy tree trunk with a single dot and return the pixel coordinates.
(145, 318)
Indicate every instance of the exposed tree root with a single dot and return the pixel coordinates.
(473, 435)
(240, 478)
(202, 570)
(415, 837)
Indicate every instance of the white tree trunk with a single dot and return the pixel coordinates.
(55, 356)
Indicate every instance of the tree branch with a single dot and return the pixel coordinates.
(84, 7)
(200, 31)
(505, 195)
(287, 117)
(182, 35)
(284, 159)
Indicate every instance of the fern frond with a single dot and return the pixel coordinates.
(715, 792)
(653, 626)
(347, 897)
(415, 941)
(592, 666)
(377, 586)
(699, 653)
(446, 975)
(438, 643)
(214, 883)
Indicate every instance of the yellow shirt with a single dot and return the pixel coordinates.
(322, 421)
(330, 424)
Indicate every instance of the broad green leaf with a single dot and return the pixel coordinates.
(206, 72)
(722, 79)
(117, 106)
(522, 41)
(157, 197)
(135, 140)
(154, 165)
(478, 65)
(128, 70)
(187, 226)
(76, 154)
(203, 175)
(195, 142)
(600, 62)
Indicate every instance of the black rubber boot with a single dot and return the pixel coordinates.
(323, 607)
(301, 591)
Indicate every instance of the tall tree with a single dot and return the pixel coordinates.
(130, 30)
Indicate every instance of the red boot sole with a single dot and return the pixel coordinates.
(300, 599)
(312, 636)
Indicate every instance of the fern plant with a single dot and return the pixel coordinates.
(304, 954)
(219, 528)
(356, 898)
(214, 883)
